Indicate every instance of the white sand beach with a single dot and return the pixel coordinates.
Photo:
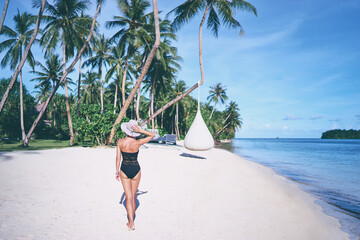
(73, 194)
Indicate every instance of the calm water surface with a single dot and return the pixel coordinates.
(328, 169)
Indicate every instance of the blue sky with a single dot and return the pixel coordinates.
(295, 73)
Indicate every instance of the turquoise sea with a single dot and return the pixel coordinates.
(328, 169)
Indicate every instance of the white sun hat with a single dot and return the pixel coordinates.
(127, 128)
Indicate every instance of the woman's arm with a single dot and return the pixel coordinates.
(150, 135)
(118, 159)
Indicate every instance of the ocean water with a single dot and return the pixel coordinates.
(327, 169)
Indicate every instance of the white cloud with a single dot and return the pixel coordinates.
(315, 117)
(291, 117)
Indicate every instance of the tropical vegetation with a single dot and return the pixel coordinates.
(130, 75)
(341, 134)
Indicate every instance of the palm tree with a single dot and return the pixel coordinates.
(132, 34)
(65, 24)
(179, 88)
(233, 120)
(116, 62)
(48, 78)
(217, 94)
(101, 48)
(90, 88)
(87, 52)
(15, 45)
(41, 113)
(26, 52)
(4, 13)
(162, 72)
(226, 9)
(144, 70)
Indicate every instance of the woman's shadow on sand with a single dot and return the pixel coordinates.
(137, 203)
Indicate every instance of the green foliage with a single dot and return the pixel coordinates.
(94, 125)
(10, 115)
(341, 134)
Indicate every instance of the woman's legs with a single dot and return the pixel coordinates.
(130, 187)
(134, 187)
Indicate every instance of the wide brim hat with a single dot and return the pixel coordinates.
(127, 128)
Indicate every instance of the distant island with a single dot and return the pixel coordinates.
(341, 134)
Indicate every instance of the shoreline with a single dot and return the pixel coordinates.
(216, 194)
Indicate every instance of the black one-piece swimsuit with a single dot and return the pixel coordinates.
(129, 164)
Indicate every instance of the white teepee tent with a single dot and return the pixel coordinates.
(198, 137)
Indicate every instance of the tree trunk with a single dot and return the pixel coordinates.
(142, 74)
(4, 14)
(66, 95)
(26, 141)
(101, 88)
(116, 88)
(54, 101)
(139, 92)
(152, 103)
(220, 131)
(193, 87)
(78, 94)
(22, 108)
(162, 120)
(200, 44)
(124, 78)
(212, 112)
(138, 104)
(177, 120)
(23, 59)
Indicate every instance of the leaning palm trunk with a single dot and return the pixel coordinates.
(26, 141)
(142, 74)
(4, 14)
(212, 112)
(193, 87)
(221, 130)
(23, 59)
(21, 108)
(66, 95)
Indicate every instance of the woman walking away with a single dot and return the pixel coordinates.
(129, 173)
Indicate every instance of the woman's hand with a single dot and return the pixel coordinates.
(117, 176)
(136, 128)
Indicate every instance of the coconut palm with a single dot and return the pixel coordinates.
(116, 62)
(41, 113)
(179, 88)
(162, 72)
(90, 88)
(15, 45)
(65, 25)
(144, 70)
(219, 11)
(233, 120)
(48, 77)
(101, 48)
(4, 13)
(132, 33)
(217, 94)
(40, 5)
(86, 52)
